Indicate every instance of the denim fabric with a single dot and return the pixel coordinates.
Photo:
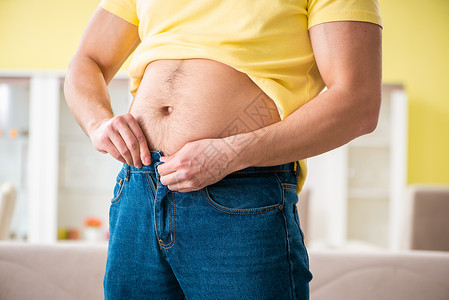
(239, 238)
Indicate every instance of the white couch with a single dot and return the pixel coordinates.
(75, 271)
(8, 195)
(408, 275)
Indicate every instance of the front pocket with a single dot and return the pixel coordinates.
(245, 194)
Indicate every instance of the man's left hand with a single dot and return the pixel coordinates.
(197, 164)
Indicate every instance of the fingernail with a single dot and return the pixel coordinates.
(147, 160)
(139, 166)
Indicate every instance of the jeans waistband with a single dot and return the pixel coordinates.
(157, 154)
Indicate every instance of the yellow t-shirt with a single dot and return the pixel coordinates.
(266, 39)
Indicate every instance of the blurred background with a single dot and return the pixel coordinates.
(363, 195)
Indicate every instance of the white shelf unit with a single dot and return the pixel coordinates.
(86, 177)
(61, 178)
(14, 118)
(357, 191)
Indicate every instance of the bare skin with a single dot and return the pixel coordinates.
(179, 101)
(195, 124)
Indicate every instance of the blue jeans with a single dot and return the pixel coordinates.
(239, 238)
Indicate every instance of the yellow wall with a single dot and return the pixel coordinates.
(41, 34)
(416, 53)
(44, 35)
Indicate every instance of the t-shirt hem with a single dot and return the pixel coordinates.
(362, 16)
(119, 12)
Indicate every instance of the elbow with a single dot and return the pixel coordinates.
(74, 67)
(370, 126)
(370, 116)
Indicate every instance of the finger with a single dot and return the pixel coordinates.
(173, 178)
(120, 145)
(167, 167)
(132, 144)
(182, 189)
(179, 182)
(175, 188)
(178, 188)
(145, 155)
(110, 148)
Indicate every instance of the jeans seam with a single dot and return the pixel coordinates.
(301, 233)
(149, 179)
(280, 187)
(172, 232)
(155, 218)
(290, 271)
(120, 192)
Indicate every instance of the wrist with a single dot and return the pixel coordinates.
(93, 125)
(241, 150)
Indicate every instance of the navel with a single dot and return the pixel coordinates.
(167, 110)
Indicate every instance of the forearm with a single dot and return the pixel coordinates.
(86, 93)
(329, 121)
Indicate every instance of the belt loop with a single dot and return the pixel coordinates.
(127, 171)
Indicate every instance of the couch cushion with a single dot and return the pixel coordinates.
(429, 220)
(411, 275)
(63, 271)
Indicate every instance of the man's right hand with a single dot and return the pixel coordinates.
(107, 42)
(122, 137)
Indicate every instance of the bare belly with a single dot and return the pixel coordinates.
(179, 101)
